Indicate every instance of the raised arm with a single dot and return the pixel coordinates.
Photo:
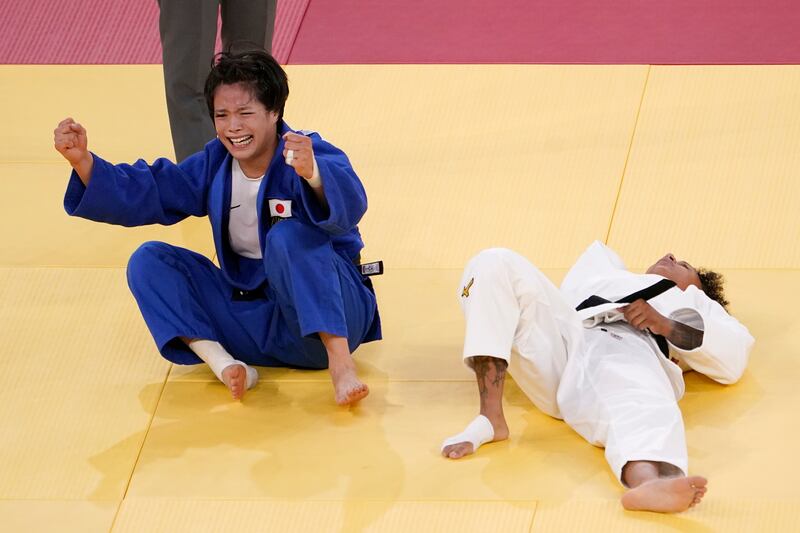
(334, 197)
(298, 152)
(70, 140)
(132, 195)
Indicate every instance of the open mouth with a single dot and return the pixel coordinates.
(241, 141)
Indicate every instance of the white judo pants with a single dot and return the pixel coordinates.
(605, 382)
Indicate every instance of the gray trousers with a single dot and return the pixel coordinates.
(188, 32)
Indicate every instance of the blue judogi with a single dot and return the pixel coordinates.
(263, 311)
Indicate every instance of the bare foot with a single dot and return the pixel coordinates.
(347, 387)
(666, 495)
(462, 449)
(235, 378)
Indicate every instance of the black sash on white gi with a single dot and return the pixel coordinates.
(645, 294)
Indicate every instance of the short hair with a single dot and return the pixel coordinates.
(257, 70)
(712, 286)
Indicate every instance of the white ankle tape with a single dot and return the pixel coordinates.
(214, 355)
(478, 432)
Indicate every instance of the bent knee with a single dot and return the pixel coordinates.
(145, 257)
(494, 256)
(147, 253)
(288, 234)
(492, 262)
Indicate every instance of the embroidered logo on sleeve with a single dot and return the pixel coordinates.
(280, 208)
(467, 287)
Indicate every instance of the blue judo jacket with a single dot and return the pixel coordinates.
(166, 193)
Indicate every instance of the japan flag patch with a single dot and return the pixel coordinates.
(280, 208)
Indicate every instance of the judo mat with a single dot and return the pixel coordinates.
(100, 434)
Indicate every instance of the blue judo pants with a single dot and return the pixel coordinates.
(310, 288)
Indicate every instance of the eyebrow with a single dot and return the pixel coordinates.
(237, 110)
(240, 108)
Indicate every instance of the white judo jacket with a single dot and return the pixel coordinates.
(726, 345)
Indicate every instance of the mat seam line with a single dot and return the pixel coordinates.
(628, 155)
(139, 454)
(299, 27)
(533, 516)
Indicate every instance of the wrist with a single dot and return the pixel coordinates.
(315, 181)
(83, 167)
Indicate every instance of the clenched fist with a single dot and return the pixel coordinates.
(69, 139)
(641, 315)
(302, 154)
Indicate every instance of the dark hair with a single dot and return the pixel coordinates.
(712, 286)
(257, 70)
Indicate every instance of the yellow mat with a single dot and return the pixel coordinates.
(78, 383)
(457, 158)
(46, 516)
(39, 232)
(291, 442)
(122, 107)
(201, 516)
(733, 516)
(100, 434)
(714, 172)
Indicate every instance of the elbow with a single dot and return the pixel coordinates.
(736, 366)
(732, 373)
(359, 210)
(333, 230)
(348, 219)
(727, 379)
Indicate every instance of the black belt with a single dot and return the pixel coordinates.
(241, 295)
(647, 293)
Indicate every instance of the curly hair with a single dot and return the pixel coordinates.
(712, 286)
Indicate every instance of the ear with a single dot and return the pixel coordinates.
(273, 116)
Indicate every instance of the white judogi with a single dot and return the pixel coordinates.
(606, 379)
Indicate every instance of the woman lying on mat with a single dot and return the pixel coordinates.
(606, 352)
(284, 207)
